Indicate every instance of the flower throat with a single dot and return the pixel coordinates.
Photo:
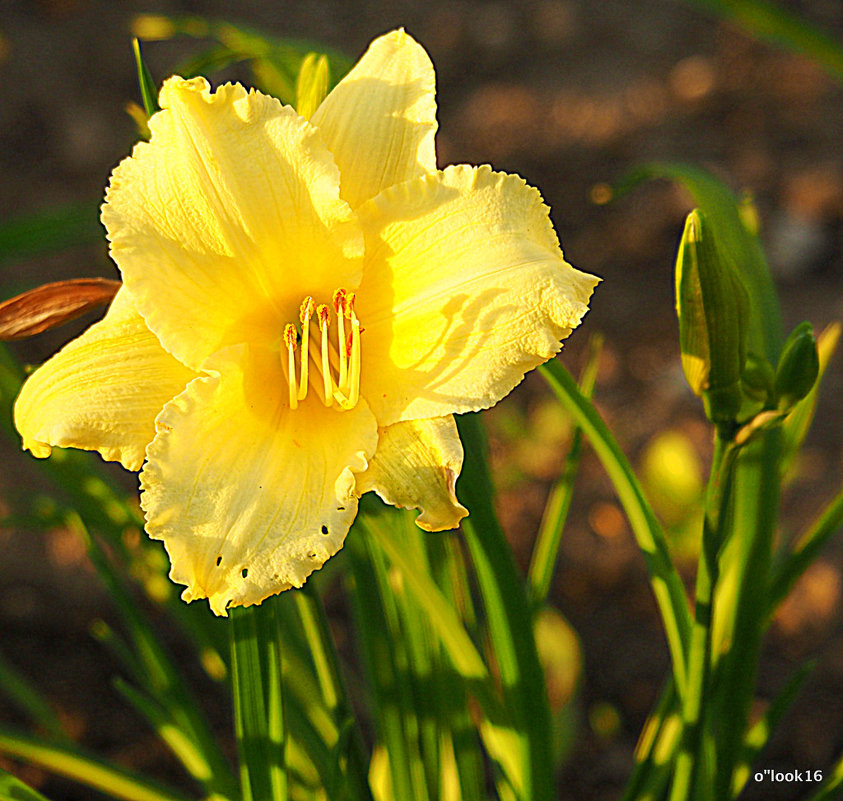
(335, 370)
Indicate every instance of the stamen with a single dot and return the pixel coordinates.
(336, 369)
(324, 313)
(290, 342)
(354, 372)
(339, 308)
(306, 312)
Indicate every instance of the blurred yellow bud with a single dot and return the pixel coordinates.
(152, 27)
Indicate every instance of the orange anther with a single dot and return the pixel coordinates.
(307, 308)
(290, 336)
(350, 297)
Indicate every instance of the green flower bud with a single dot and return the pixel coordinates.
(799, 366)
(713, 307)
(758, 378)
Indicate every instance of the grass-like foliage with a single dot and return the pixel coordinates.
(448, 697)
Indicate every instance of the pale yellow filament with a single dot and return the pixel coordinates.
(354, 377)
(339, 308)
(327, 380)
(305, 314)
(343, 361)
(290, 341)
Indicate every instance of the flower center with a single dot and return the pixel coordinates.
(335, 370)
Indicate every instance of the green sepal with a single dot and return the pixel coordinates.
(312, 83)
(712, 306)
(799, 366)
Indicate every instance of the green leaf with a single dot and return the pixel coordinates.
(424, 664)
(546, 549)
(326, 664)
(19, 690)
(161, 680)
(13, 789)
(78, 765)
(509, 619)
(654, 752)
(440, 613)
(460, 748)
(759, 735)
(256, 684)
(774, 23)
(400, 540)
(28, 235)
(668, 588)
(385, 657)
(790, 567)
(830, 791)
(170, 733)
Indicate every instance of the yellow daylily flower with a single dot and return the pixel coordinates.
(305, 305)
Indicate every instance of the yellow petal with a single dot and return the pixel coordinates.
(416, 466)
(227, 218)
(464, 290)
(102, 391)
(380, 120)
(249, 496)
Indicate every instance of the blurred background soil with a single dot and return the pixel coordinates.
(570, 94)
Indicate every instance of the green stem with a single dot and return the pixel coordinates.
(258, 702)
(742, 599)
(385, 659)
(509, 618)
(326, 661)
(695, 703)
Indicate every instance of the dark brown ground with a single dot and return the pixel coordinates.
(568, 94)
